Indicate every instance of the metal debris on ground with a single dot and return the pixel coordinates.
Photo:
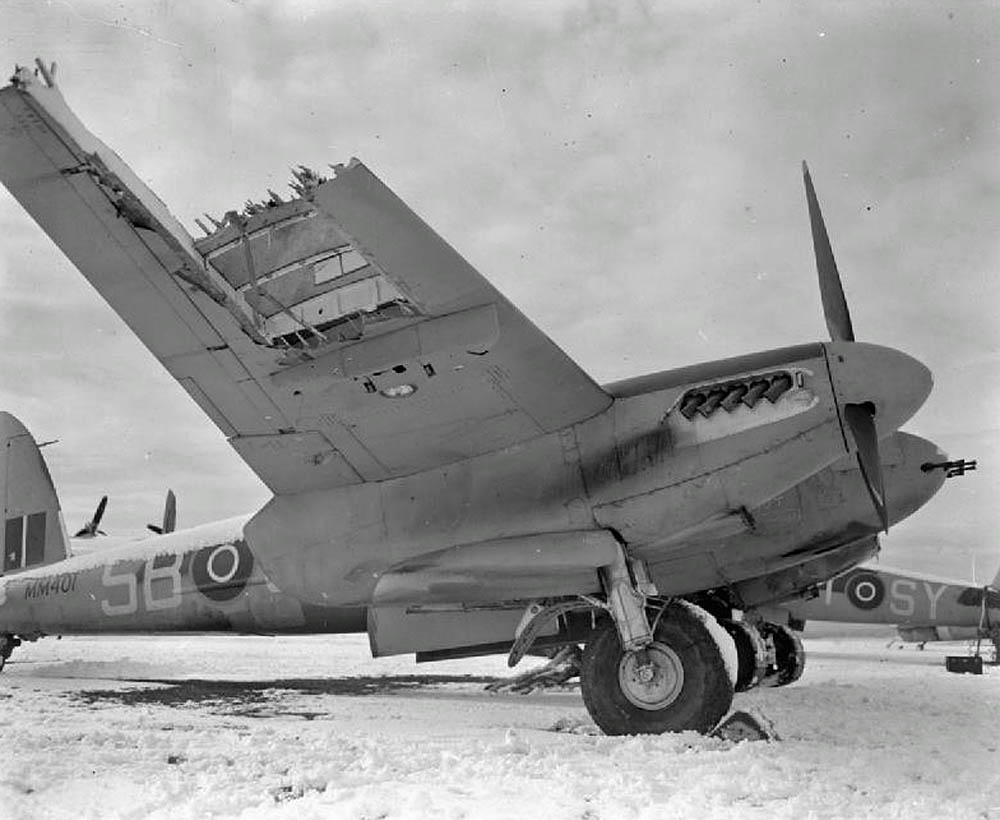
(745, 726)
(564, 666)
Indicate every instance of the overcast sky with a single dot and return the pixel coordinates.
(628, 174)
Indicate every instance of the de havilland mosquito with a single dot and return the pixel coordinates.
(445, 478)
(922, 607)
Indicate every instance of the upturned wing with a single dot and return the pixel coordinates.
(333, 337)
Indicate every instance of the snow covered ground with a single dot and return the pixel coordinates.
(313, 727)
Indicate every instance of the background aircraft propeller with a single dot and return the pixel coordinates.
(90, 529)
(860, 418)
(169, 516)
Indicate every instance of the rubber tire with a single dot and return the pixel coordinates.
(751, 652)
(790, 655)
(705, 696)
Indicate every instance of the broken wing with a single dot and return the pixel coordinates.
(334, 338)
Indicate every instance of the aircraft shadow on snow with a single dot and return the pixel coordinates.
(263, 698)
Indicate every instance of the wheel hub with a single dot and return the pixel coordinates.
(651, 678)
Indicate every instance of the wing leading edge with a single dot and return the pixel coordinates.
(334, 338)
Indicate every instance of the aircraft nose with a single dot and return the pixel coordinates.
(908, 485)
(895, 383)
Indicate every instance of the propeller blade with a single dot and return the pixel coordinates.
(838, 317)
(169, 516)
(90, 529)
(170, 513)
(102, 504)
(861, 419)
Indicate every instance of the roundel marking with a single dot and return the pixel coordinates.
(865, 591)
(220, 572)
(222, 564)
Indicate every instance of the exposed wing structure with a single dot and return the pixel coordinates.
(334, 338)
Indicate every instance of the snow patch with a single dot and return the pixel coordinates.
(226, 531)
(513, 744)
(867, 732)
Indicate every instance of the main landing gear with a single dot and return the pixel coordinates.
(677, 681)
(654, 666)
(680, 679)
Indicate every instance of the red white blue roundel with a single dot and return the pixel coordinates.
(221, 572)
(865, 590)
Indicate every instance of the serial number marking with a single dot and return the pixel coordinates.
(61, 584)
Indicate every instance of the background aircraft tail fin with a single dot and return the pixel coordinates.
(32, 532)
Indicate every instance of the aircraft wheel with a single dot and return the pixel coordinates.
(751, 652)
(789, 655)
(677, 683)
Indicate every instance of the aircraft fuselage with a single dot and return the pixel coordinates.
(876, 595)
(644, 470)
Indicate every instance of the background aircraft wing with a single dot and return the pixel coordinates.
(334, 338)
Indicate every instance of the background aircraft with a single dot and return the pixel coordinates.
(444, 475)
(924, 607)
